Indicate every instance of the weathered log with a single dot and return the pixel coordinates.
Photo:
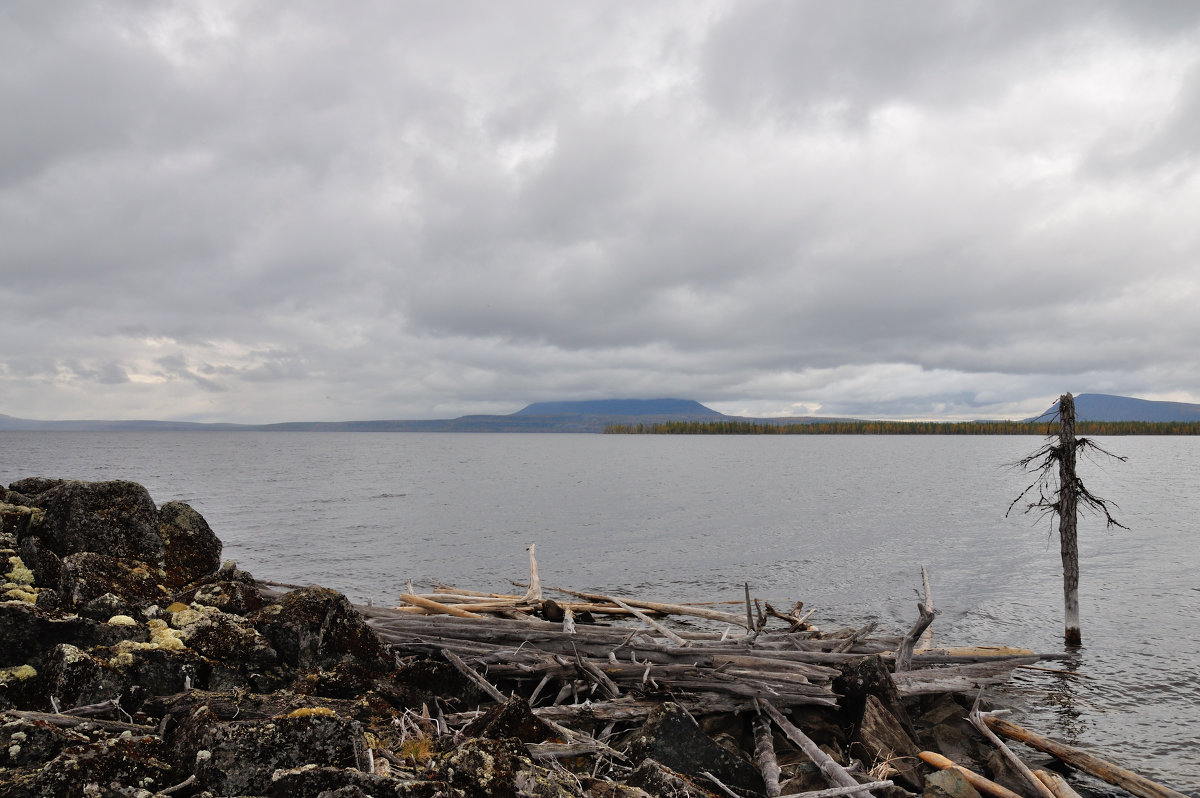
(429, 604)
(71, 721)
(904, 654)
(926, 640)
(976, 719)
(834, 792)
(764, 753)
(1056, 784)
(832, 770)
(669, 609)
(956, 678)
(980, 783)
(469, 672)
(1089, 763)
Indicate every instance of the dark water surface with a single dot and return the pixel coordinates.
(842, 523)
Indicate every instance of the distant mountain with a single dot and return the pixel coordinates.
(589, 416)
(1105, 407)
(12, 423)
(676, 408)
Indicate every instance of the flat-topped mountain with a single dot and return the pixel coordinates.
(1106, 407)
(676, 408)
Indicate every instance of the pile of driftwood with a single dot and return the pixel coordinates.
(589, 679)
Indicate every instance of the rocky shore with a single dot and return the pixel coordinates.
(133, 662)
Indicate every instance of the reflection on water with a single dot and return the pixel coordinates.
(841, 523)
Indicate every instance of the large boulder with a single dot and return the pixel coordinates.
(317, 627)
(116, 518)
(671, 737)
(191, 549)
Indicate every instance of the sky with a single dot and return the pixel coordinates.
(281, 211)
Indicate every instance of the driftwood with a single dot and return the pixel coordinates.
(1089, 763)
(905, 653)
(71, 721)
(764, 753)
(832, 770)
(1056, 784)
(976, 720)
(983, 785)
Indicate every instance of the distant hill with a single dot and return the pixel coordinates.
(676, 408)
(589, 416)
(1106, 407)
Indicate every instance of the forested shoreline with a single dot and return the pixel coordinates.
(732, 427)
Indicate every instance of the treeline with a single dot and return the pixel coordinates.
(903, 428)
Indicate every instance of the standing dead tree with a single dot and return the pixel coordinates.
(1057, 491)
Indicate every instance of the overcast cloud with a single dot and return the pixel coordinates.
(268, 211)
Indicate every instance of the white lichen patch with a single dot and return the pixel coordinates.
(18, 673)
(193, 615)
(18, 573)
(122, 620)
(161, 636)
(17, 593)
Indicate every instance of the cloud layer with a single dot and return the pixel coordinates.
(291, 211)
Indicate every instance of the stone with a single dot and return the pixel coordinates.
(240, 757)
(115, 518)
(513, 718)
(24, 743)
(32, 486)
(655, 779)
(237, 597)
(223, 637)
(483, 768)
(106, 606)
(944, 727)
(317, 627)
(191, 550)
(78, 678)
(88, 575)
(672, 738)
(948, 783)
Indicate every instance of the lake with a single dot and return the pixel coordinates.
(842, 523)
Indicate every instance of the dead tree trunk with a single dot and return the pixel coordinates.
(1068, 502)
(1061, 498)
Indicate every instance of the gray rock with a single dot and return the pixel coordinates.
(948, 783)
(192, 551)
(672, 738)
(116, 518)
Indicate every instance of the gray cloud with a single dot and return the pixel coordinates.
(300, 211)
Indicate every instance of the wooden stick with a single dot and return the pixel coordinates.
(1057, 784)
(904, 654)
(749, 615)
(669, 609)
(854, 637)
(720, 785)
(926, 636)
(70, 721)
(429, 604)
(646, 619)
(834, 792)
(764, 751)
(974, 779)
(535, 584)
(1089, 763)
(469, 672)
(832, 770)
(976, 719)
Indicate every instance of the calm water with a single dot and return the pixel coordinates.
(841, 523)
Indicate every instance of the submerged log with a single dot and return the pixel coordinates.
(1088, 763)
